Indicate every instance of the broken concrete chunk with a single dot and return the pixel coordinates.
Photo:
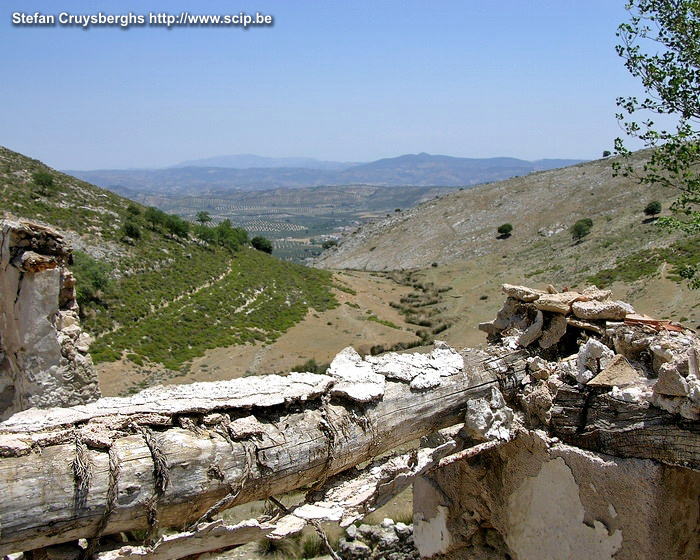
(426, 380)
(537, 401)
(593, 357)
(445, 359)
(521, 293)
(557, 303)
(597, 310)
(533, 332)
(513, 314)
(489, 419)
(355, 378)
(554, 332)
(320, 511)
(401, 367)
(671, 382)
(633, 394)
(618, 373)
(596, 294)
(540, 368)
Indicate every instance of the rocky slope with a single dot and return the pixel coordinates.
(541, 207)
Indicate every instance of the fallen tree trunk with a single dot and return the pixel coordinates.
(171, 456)
(595, 420)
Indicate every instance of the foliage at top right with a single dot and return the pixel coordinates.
(661, 46)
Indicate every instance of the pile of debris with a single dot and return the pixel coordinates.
(588, 339)
(386, 541)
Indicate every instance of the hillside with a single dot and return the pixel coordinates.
(419, 170)
(541, 207)
(452, 243)
(151, 292)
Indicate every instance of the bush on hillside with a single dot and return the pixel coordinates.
(653, 208)
(92, 278)
(581, 229)
(261, 244)
(505, 230)
(131, 230)
(44, 181)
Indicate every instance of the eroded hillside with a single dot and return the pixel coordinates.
(541, 207)
(452, 241)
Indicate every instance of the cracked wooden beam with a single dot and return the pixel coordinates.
(344, 498)
(169, 457)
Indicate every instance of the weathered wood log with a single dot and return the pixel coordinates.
(593, 419)
(171, 456)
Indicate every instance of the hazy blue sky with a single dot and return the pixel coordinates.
(338, 80)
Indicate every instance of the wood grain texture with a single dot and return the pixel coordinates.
(593, 419)
(168, 460)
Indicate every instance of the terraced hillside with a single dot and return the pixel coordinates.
(148, 289)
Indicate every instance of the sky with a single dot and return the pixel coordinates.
(335, 80)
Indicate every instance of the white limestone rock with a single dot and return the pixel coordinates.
(355, 378)
(593, 357)
(533, 332)
(522, 293)
(445, 359)
(601, 310)
(489, 419)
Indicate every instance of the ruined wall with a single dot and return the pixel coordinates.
(535, 498)
(43, 352)
(599, 378)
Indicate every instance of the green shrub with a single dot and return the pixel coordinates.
(42, 179)
(505, 230)
(176, 225)
(131, 230)
(155, 217)
(261, 244)
(653, 208)
(133, 211)
(581, 229)
(92, 279)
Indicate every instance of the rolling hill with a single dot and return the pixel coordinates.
(420, 170)
(452, 243)
(152, 293)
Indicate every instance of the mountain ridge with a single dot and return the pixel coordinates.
(420, 170)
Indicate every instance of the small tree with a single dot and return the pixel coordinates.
(581, 229)
(653, 208)
(132, 210)
(176, 225)
(661, 47)
(131, 230)
(261, 244)
(606, 153)
(504, 230)
(44, 181)
(203, 217)
(155, 217)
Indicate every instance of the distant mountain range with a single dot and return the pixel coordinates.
(250, 172)
(249, 161)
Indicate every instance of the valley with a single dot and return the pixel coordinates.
(177, 309)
